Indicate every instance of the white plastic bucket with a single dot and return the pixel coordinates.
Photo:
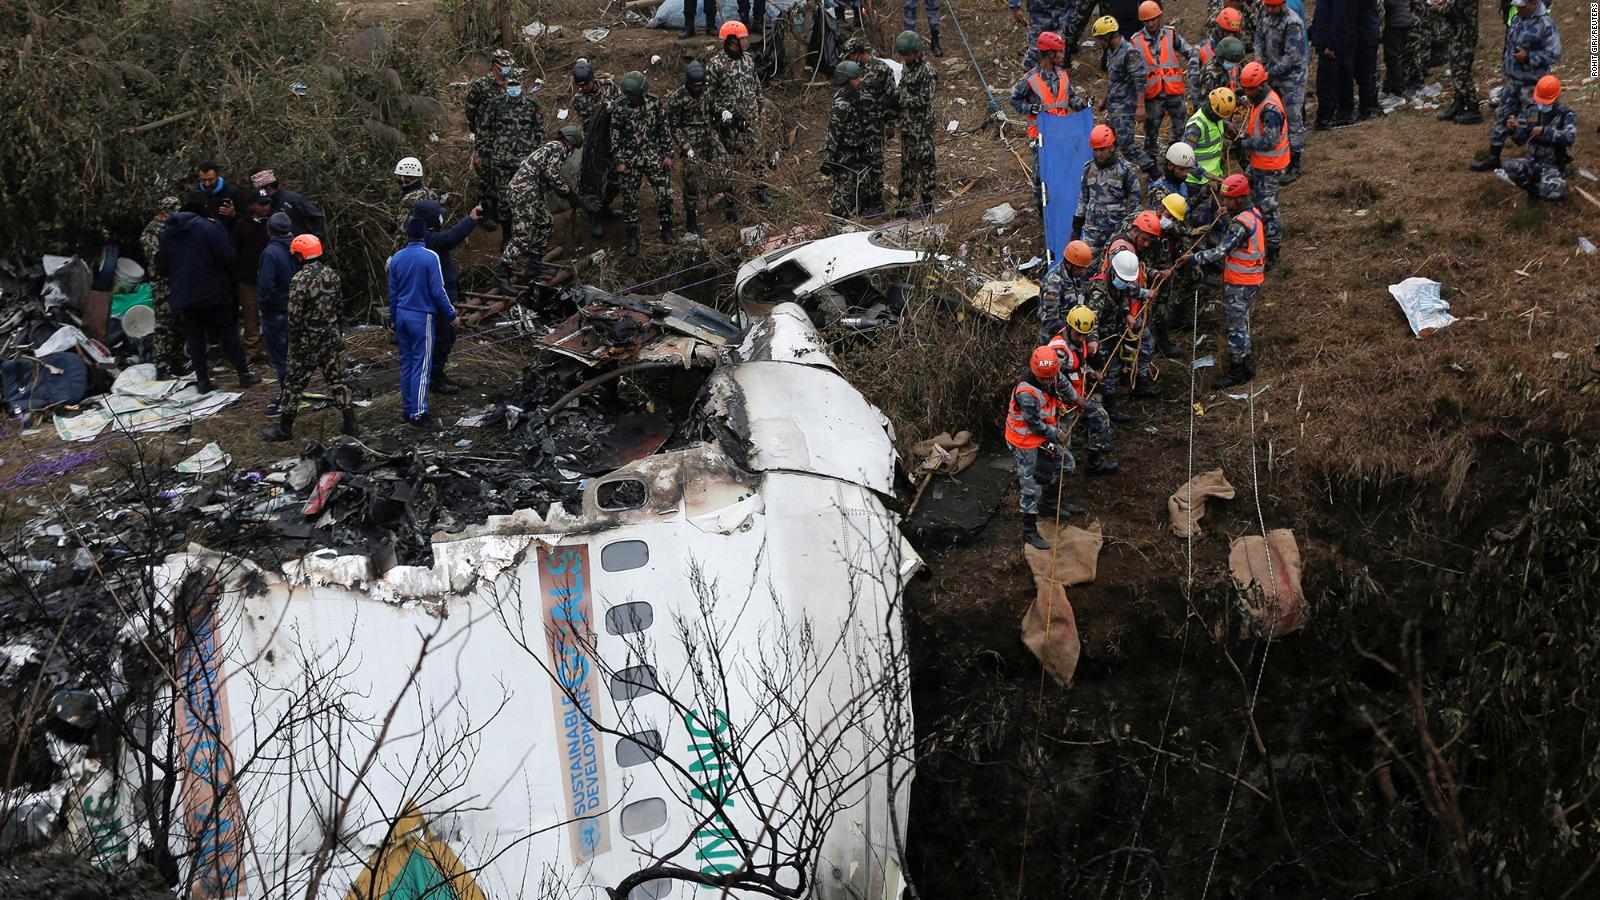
(129, 273)
(139, 321)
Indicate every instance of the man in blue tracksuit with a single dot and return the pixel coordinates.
(442, 241)
(416, 298)
(272, 296)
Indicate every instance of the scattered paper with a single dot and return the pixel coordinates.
(561, 115)
(1586, 245)
(210, 459)
(595, 35)
(1425, 309)
(999, 215)
(1204, 362)
(1587, 174)
(951, 128)
(1560, 354)
(1258, 393)
(1360, 213)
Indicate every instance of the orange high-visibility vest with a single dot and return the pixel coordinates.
(1208, 51)
(1247, 264)
(1278, 157)
(1017, 432)
(1071, 360)
(1052, 104)
(1162, 72)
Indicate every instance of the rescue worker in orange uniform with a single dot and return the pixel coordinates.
(1166, 58)
(1117, 297)
(1266, 141)
(1243, 253)
(1037, 444)
(1075, 345)
(1046, 90)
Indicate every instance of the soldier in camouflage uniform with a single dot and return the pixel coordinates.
(1281, 48)
(1532, 48)
(1221, 71)
(167, 342)
(593, 90)
(701, 157)
(1109, 194)
(1458, 27)
(736, 92)
(537, 178)
(882, 109)
(847, 147)
(1058, 16)
(315, 342)
(917, 83)
(1249, 16)
(1065, 286)
(480, 92)
(515, 126)
(641, 151)
(1125, 75)
(1207, 67)
(412, 191)
(1549, 130)
(1075, 345)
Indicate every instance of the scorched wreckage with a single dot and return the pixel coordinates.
(688, 676)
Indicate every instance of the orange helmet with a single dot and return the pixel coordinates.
(1547, 90)
(1253, 74)
(1236, 185)
(1044, 363)
(1148, 10)
(1148, 222)
(1049, 40)
(306, 247)
(733, 28)
(1272, 2)
(1102, 137)
(1078, 253)
(1230, 20)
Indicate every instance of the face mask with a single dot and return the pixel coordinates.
(1166, 222)
(505, 70)
(514, 90)
(1543, 107)
(1119, 283)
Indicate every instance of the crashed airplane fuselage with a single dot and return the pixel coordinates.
(697, 681)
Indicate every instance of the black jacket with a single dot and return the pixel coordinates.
(225, 191)
(197, 258)
(306, 217)
(442, 242)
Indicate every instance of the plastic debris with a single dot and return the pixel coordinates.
(1586, 245)
(1560, 354)
(595, 35)
(1588, 174)
(1431, 90)
(1425, 309)
(1250, 396)
(951, 128)
(210, 459)
(1204, 362)
(538, 29)
(999, 215)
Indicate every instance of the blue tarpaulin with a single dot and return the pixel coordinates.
(1063, 149)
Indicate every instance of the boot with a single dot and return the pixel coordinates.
(1069, 509)
(688, 29)
(282, 431)
(502, 279)
(248, 378)
(274, 408)
(203, 385)
(1249, 367)
(933, 44)
(1489, 162)
(442, 383)
(488, 224)
(1292, 174)
(1165, 344)
(1030, 532)
(350, 427)
(667, 237)
(1450, 112)
(596, 230)
(1115, 412)
(691, 220)
(1145, 389)
(424, 422)
(1272, 255)
(633, 240)
(1239, 372)
(1469, 115)
(1100, 464)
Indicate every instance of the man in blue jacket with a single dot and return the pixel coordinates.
(272, 296)
(442, 241)
(416, 298)
(197, 256)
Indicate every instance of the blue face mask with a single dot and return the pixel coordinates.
(514, 90)
(506, 70)
(1543, 107)
(1119, 283)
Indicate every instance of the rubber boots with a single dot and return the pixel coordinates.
(1490, 161)
(667, 237)
(350, 427)
(1450, 112)
(1100, 464)
(691, 221)
(1030, 532)
(502, 279)
(933, 44)
(282, 431)
(1239, 372)
(633, 240)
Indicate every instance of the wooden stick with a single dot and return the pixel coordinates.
(918, 498)
(1586, 195)
(151, 126)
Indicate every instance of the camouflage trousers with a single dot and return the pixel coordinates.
(916, 167)
(852, 177)
(310, 353)
(1098, 440)
(1037, 470)
(701, 176)
(1046, 15)
(1459, 31)
(530, 226)
(167, 342)
(630, 182)
(1515, 98)
(744, 151)
(1122, 126)
(1264, 191)
(1537, 175)
(1237, 301)
(911, 14)
(1078, 20)
(1293, 95)
(872, 184)
(1097, 235)
(1174, 107)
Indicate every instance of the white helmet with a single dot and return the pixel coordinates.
(411, 167)
(1181, 154)
(1126, 265)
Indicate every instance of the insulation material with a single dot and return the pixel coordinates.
(1049, 628)
(1187, 505)
(1280, 609)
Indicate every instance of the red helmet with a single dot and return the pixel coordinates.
(1253, 74)
(1230, 20)
(1148, 222)
(733, 28)
(1102, 137)
(306, 246)
(1049, 40)
(1235, 185)
(1044, 363)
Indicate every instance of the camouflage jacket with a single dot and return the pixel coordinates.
(1560, 133)
(150, 243)
(1207, 78)
(541, 171)
(515, 125)
(917, 84)
(1023, 98)
(409, 198)
(483, 89)
(584, 103)
(314, 303)
(1536, 34)
(1281, 47)
(849, 132)
(1109, 193)
(734, 87)
(1124, 68)
(878, 92)
(639, 134)
(693, 120)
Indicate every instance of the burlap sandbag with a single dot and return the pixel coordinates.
(1049, 629)
(1205, 485)
(945, 454)
(1280, 609)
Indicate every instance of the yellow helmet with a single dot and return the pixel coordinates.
(1176, 206)
(1104, 26)
(1081, 318)
(1223, 102)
